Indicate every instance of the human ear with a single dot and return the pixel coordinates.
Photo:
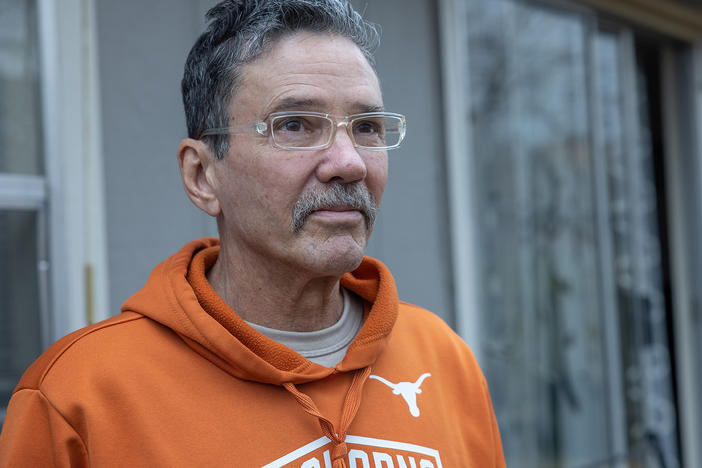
(196, 163)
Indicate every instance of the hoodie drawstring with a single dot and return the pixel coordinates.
(348, 411)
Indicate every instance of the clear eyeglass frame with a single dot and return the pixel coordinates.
(397, 128)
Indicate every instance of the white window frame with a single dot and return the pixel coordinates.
(22, 192)
(74, 172)
(461, 173)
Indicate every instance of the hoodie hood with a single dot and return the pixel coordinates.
(178, 296)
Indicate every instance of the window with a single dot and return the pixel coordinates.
(563, 172)
(53, 259)
(23, 292)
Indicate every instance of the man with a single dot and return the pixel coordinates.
(261, 349)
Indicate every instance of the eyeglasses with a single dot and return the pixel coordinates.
(300, 130)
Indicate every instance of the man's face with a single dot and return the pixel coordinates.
(260, 187)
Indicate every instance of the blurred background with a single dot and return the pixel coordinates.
(546, 202)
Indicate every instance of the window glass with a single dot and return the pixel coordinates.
(571, 261)
(20, 118)
(20, 337)
(531, 142)
(634, 188)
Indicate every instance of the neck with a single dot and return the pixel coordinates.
(279, 297)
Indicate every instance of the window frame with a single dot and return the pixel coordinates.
(680, 159)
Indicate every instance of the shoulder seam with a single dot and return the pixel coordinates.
(45, 397)
(66, 347)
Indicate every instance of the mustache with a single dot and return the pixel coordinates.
(353, 196)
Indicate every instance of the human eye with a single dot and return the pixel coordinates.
(290, 124)
(368, 126)
(295, 124)
(302, 130)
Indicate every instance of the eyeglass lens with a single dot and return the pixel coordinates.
(305, 131)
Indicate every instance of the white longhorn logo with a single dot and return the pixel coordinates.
(408, 390)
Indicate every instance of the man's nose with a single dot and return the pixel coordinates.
(342, 163)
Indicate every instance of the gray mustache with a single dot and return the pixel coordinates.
(355, 196)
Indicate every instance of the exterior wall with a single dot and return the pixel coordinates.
(142, 48)
(148, 214)
(412, 233)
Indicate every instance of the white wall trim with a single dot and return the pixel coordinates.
(459, 153)
(48, 53)
(96, 222)
(77, 243)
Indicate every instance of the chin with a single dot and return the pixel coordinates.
(335, 260)
(339, 265)
(333, 255)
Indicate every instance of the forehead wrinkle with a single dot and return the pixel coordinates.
(344, 83)
(301, 87)
(331, 65)
(295, 97)
(306, 78)
(331, 68)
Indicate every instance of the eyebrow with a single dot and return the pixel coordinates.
(293, 104)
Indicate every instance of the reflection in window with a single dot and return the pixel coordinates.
(541, 152)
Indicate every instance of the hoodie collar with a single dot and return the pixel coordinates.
(178, 295)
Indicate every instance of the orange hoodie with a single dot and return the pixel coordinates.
(179, 380)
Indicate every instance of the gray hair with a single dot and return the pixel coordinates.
(241, 30)
(335, 195)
